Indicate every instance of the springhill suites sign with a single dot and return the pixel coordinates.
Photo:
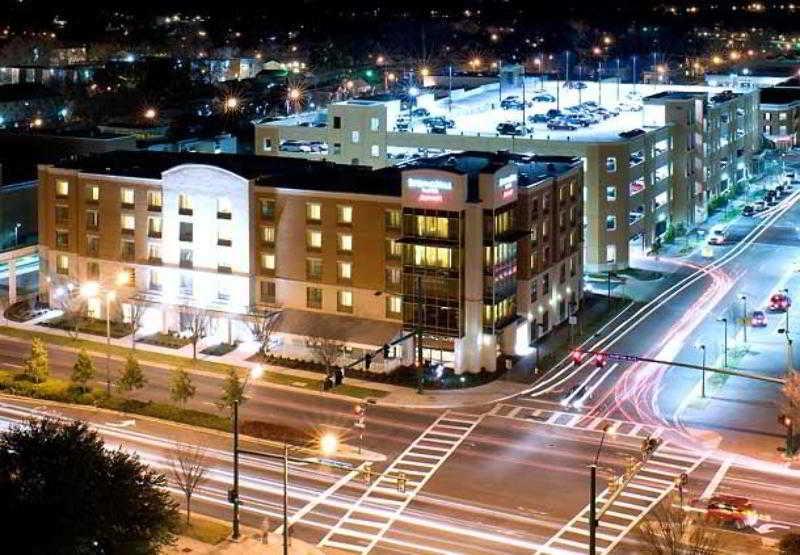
(429, 189)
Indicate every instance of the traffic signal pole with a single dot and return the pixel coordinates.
(592, 509)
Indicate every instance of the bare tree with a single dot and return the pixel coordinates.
(327, 351)
(72, 305)
(138, 309)
(196, 322)
(669, 530)
(189, 466)
(262, 324)
(791, 395)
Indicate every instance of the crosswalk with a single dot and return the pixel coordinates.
(368, 520)
(652, 483)
(577, 421)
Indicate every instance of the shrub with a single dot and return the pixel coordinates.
(276, 432)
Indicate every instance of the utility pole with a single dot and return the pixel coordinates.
(703, 383)
(725, 351)
(593, 508)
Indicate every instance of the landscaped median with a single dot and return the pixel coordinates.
(144, 355)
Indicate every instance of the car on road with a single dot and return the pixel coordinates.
(748, 210)
(779, 302)
(760, 206)
(758, 319)
(544, 97)
(538, 118)
(731, 511)
(717, 235)
(561, 125)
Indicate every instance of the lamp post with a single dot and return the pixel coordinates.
(91, 290)
(593, 496)
(703, 383)
(725, 350)
(539, 327)
(744, 316)
(786, 292)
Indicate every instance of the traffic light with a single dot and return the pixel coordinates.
(385, 349)
(360, 413)
(784, 420)
(367, 360)
(599, 360)
(577, 356)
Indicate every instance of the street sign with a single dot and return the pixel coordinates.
(573, 320)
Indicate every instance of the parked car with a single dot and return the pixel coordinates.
(779, 302)
(748, 210)
(553, 113)
(295, 146)
(511, 103)
(438, 129)
(561, 125)
(538, 118)
(544, 97)
(759, 206)
(420, 112)
(509, 128)
(758, 319)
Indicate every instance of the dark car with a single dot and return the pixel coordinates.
(420, 112)
(748, 210)
(561, 125)
(439, 121)
(553, 113)
(510, 129)
(538, 118)
(438, 129)
(511, 103)
(544, 97)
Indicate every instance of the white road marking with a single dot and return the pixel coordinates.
(717, 479)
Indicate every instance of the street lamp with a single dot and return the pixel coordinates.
(744, 316)
(703, 383)
(725, 351)
(593, 495)
(16, 233)
(231, 103)
(150, 114)
(91, 290)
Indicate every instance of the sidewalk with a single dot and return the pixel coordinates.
(250, 543)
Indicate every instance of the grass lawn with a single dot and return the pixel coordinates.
(174, 360)
(91, 326)
(205, 530)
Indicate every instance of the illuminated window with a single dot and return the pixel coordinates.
(394, 306)
(154, 252)
(313, 211)
(62, 264)
(374, 124)
(344, 214)
(344, 301)
(355, 136)
(93, 193)
(431, 226)
(375, 151)
(345, 271)
(314, 239)
(268, 262)
(268, 234)
(345, 242)
(126, 196)
(611, 193)
(393, 249)
(154, 227)
(392, 219)
(611, 253)
(185, 205)
(128, 223)
(437, 257)
(154, 200)
(62, 188)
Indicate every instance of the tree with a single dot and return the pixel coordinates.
(93, 500)
(181, 388)
(138, 308)
(789, 544)
(327, 351)
(232, 391)
(189, 465)
(83, 370)
(37, 366)
(262, 324)
(791, 405)
(196, 321)
(668, 530)
(132, 376)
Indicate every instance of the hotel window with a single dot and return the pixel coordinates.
(393, 249)
(611, 164)
(374, 124)
(502, 222)
(344, 301)
(126, 195)
(392, 219)
(782, 116)
(313, 211)
(93, 270)
(62, 240)
(267, 209)
(431, 226)
(128, 223)
(224, 260)
(394, 306)
(62, 264)
(185, 205)
(131, 279)
(62, 188)
(186, 258)
(268, 235)
(345, 242)
(223, 292)
(62, 214)
(128, 250)
(186, 285)
(267, 291)
(313, 269)
(186, 231)
(92, 245)
(93, 193)
(355, 137)
(268, 262)
(92, 219)
(154, 201)
(611, 253)
(154, 253)
(154, 227)
(224, 208)
(436, 257)
(344, 271)
(313, 239)
(611, 223)
(313, 297)
(392, 277)
(344, 214)
(375, 151)
(611, 193)
(224, 235)
(154, 283)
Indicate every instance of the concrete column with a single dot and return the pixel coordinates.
(12, 281)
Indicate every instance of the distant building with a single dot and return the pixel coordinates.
(29, 104)
(228, 69)
(780, 116)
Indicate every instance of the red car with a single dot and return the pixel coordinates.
(759, 319)
(779, 302)
(728, 510)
